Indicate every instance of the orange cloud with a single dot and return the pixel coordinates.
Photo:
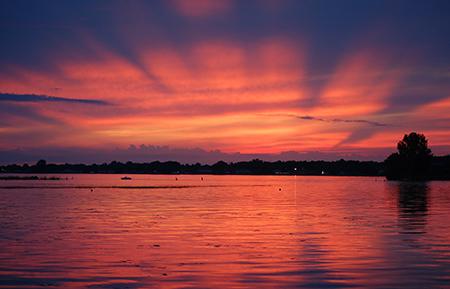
(359, 86)
(216, 94)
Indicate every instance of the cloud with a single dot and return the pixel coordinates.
(374, 123)
(357, 136)
(313, 118)
(202, 73)
(12, 97)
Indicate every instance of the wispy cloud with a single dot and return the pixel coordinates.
(313, 118)
(13, 97)
(374, 123)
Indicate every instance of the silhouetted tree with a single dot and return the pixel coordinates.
(41, 164)
(220, 167)
(412, 162)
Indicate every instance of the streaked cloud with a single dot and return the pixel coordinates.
(12, 97)
(208, 73)
(338, 120)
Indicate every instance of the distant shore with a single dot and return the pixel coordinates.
(440, 169)
(29, 178)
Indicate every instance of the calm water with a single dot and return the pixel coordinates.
(224, 232)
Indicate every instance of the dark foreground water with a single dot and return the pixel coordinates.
(97, 231)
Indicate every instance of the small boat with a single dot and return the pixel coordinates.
(125, 178)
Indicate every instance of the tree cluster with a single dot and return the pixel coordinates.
(412, 161)
(254, 167)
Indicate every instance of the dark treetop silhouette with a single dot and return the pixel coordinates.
(413, 160)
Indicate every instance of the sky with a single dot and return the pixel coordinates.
(204, 80)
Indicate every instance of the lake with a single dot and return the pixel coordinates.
(182, 231)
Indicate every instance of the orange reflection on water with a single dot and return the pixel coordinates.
(224, 232)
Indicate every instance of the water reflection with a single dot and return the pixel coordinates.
(413, 207)
(227, 232)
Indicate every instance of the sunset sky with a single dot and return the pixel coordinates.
(201, 80)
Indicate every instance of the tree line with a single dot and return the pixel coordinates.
(413, 161)
(253, 167)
